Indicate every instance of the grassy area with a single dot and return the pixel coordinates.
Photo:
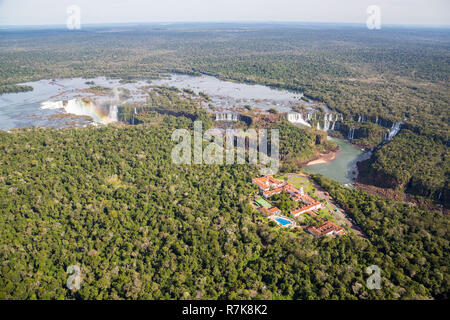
(326, 215)
(304, 183)
(263, 203)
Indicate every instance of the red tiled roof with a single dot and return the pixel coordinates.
(260, 184)
(272, 180)
(272, 192)
(308, 199)
(305, 208)
(298, 196)
(325, 228)
(292, 189)
(266, 181)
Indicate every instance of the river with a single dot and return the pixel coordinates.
(343, 168)
(71, 97)
(68, 96)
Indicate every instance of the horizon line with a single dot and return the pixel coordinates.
(421, 25)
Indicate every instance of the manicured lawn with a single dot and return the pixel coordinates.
(299, 182)
(263, 203)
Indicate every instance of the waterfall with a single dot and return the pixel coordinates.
(297, 118)
(113, 113)
(326, 125)
(328, 122)
(325, 122)
(393, 131)
(351, 133)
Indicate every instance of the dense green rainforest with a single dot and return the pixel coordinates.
(110, 199)
(392, 74)
(423, 170)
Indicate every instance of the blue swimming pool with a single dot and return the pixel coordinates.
(282, 221)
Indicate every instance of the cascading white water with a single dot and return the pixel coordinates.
(113, 113)
(99, 113)
(326, 123)
(395, 129)
(351, 133)
(297, 118)
(52, 105)
(331, 125)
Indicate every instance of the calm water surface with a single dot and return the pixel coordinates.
(343, 168)
(50, 97)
